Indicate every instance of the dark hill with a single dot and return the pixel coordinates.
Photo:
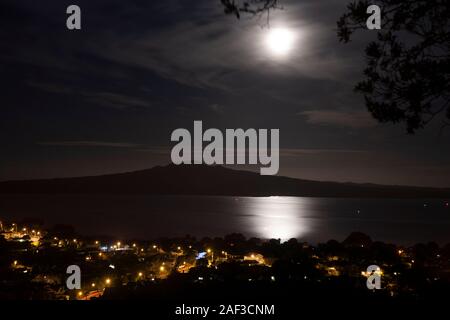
(212, 180)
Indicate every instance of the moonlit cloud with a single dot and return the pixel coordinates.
(352, 119)
(217, 51)
(105, 99)
(89, 144)
(115, 100)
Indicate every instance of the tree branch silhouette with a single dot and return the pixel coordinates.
(408, 66)
(252, 7)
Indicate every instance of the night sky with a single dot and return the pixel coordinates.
(106, 99)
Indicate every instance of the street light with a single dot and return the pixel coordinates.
(210, 262)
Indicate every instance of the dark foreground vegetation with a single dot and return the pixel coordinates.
(186, 270)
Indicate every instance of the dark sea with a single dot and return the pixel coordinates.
(313, 220)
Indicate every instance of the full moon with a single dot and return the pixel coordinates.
(280, 41)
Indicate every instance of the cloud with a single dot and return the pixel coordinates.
(216, 108)
(286, 152)
(114, 100)
(89, 144)
(105, 99)
(350, 119)
(198, 46)
(222, 52)
(51, 87)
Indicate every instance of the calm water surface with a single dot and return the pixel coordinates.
(309, 219)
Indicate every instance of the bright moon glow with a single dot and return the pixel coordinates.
(280, 41)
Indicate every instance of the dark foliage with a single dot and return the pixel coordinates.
(408, 65)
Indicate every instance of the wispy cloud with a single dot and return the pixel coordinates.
(114, 100)
(104, 99)
(216, 108)
(286, 152)
(52, 87)
(220, 51)
(89, 144)
(350, 119)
